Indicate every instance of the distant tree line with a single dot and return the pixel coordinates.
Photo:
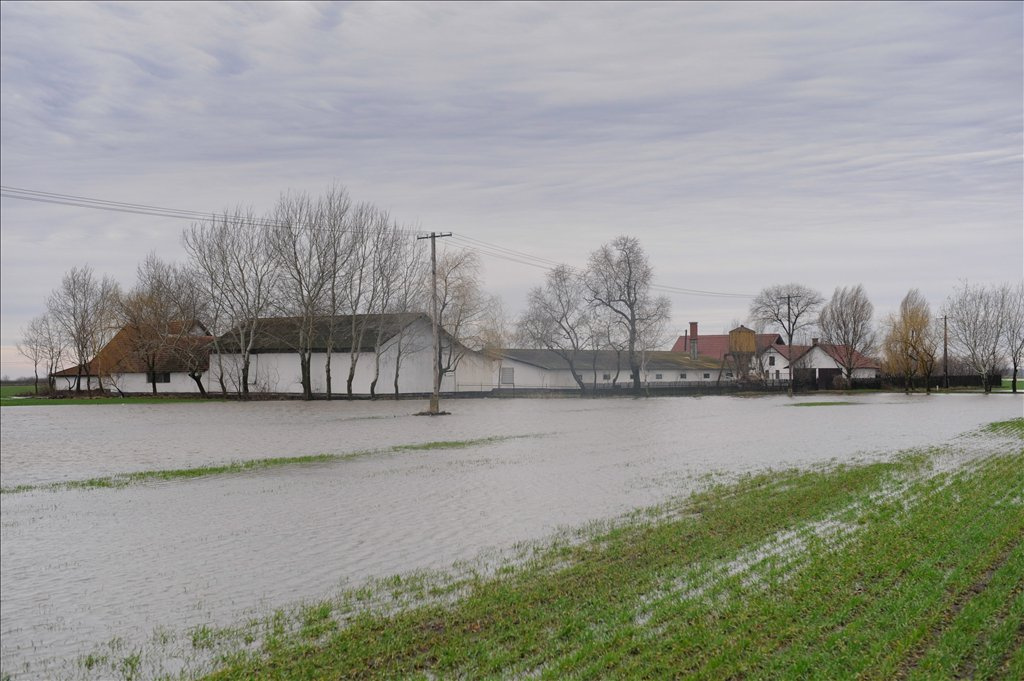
(981, 329)
(309, 260)
(317, 259)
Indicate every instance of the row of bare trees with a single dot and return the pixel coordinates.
(983, 326)
(75, 326)
(608, 306)
(333, 270)
(328, 267)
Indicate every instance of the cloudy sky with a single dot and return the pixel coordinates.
(743, 144)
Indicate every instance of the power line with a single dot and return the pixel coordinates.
(145, 209)
(464, 242)
(547, 264)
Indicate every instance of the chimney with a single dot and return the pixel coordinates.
(693, 340)
(814, 341)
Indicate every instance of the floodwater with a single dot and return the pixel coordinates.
(82, 567)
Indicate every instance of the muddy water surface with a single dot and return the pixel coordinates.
(82, 567)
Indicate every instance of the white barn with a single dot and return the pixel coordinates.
(382, 345)
(546, 370)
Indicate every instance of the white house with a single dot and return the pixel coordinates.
(817, 362)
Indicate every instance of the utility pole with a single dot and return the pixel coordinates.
(789, 331)
(435, 397)
(945, 352)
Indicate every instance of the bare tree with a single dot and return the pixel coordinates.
(391, 245)
(1013, 330)
(618, 278)
(84, 308)
(335, 210)
(42, 343)
(789, 307)
(413, 269)
(232, 252)
(496, 328)
(369, 229)
(149, 317)
(976, 326)
(608, 331)
(653, 331)
(558, 318)
(846, 325)
(461, 307)
(306, 259)
(191, 342)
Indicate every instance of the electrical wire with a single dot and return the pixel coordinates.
(461, 241)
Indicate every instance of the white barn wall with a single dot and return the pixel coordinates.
(815, 358)
(136, 383)
(279, 372)
(528, 376)
(68, 382)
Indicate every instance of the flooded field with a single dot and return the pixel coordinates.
(84, 567)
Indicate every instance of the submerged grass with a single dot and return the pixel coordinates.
(1013, 427)
(125, 479)
(899, 569)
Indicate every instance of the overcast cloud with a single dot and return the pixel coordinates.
(743, 144)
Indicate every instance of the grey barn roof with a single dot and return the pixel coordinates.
(281, 334)
(607, 360)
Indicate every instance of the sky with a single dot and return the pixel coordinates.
(743, 144)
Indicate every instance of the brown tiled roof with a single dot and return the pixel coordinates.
(836, 352)
(73, 371)
(717, 345)
(120, 356)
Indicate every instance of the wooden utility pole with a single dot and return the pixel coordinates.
(435, 396)
(789, 331)
(945, 352)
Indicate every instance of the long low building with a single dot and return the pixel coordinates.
(387, 354)
(603, 369)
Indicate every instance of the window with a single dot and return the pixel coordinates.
(682, 376)
(507, 376)
(771, 360)
(657, 377)
(707, 375)
(728, 374)
(606, 377)
(158, 377)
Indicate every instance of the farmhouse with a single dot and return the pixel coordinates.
(137, 361)
(817, 363)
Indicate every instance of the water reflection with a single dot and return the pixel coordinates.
(83, 566)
